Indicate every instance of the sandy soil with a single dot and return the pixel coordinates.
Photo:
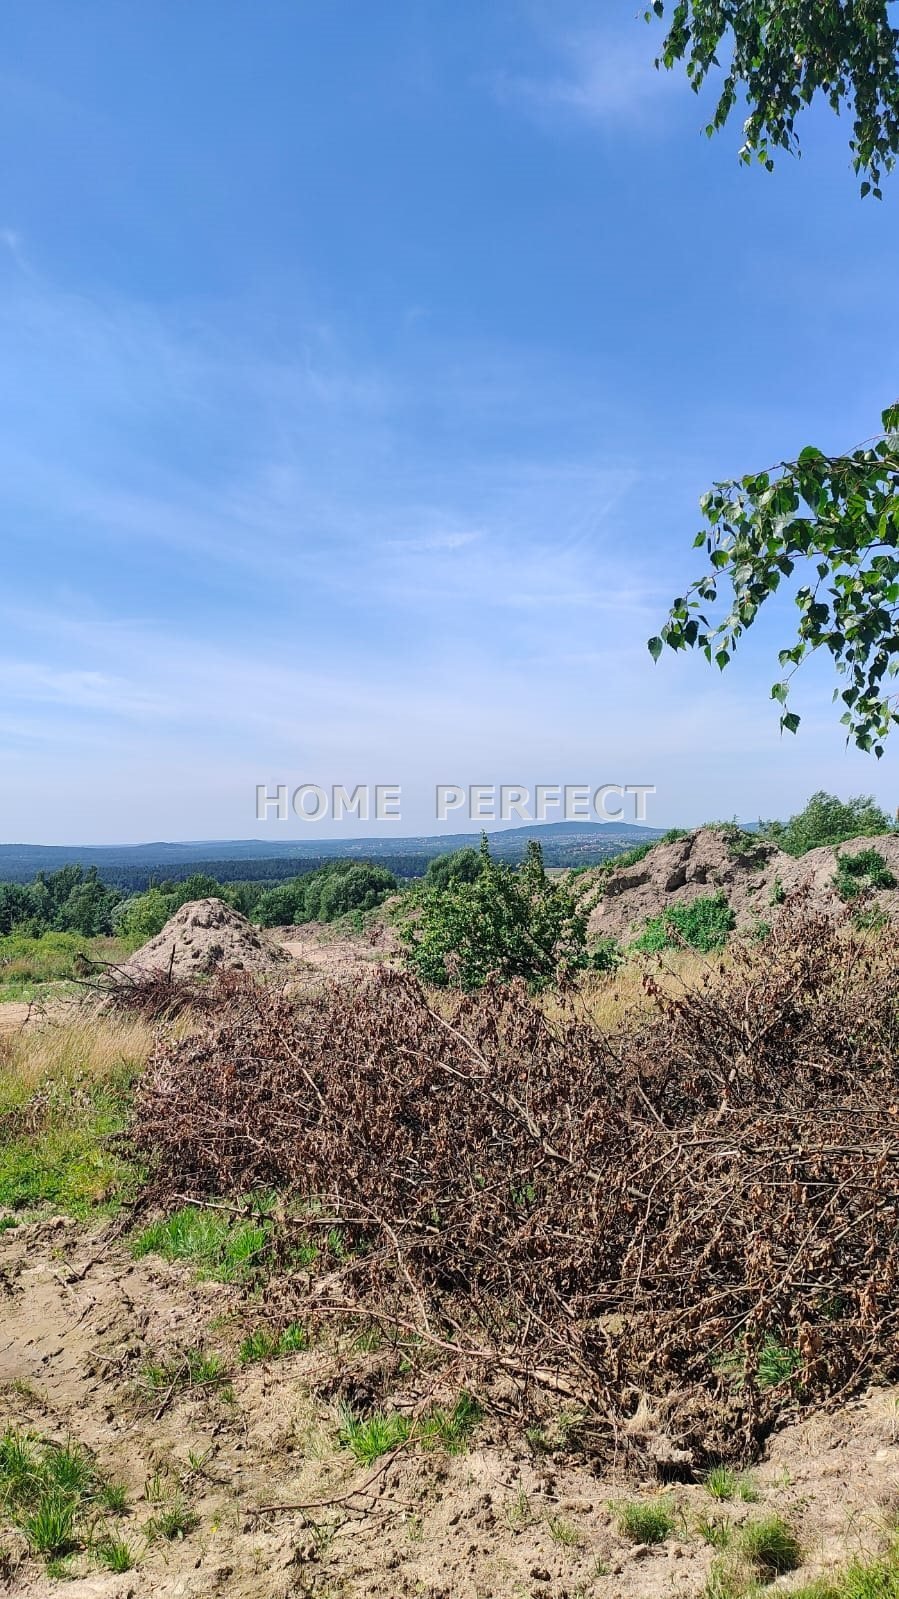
(14, 1015)
(323, 952)
(203, 936)
(78, 1321)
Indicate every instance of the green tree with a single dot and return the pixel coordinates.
(828, 820)
(830, 521)
(460, 866)
(503, 924)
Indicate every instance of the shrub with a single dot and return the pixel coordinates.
(503, 924)
(828, 820)
(861, 874)
(704, 924)
(462, 866)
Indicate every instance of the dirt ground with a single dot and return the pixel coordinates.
(80, 1319)
(326, 953)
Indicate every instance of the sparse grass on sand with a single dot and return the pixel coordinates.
(64, 1092)
(53, 1494)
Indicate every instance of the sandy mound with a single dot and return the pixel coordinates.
(204, 936)
(752, 872)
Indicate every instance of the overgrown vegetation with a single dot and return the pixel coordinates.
(828, 820)
(744, 1238)
(861, 874)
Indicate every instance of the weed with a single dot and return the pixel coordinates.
(172, 1520)
(193, 1368)
(450, 1429)
(69, 1468)
(770, 1546)
(216, 1246)
(114, 1498)
(50, 1526)
(115, 1554)
(263, 1343)
(375, 1436)
(775, 1363)
(721, 1482)
(731, 1579)
(518, 1512)
(564, 1532)
(704, 924)
(860, 874)
(715, 1530)
(646, 1520)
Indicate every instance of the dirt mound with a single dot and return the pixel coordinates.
(753, 874)
(206, 936)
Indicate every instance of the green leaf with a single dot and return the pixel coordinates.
(655, 647)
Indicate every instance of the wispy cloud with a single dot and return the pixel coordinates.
(596, 75)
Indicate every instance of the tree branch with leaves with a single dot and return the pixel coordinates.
(834, 519)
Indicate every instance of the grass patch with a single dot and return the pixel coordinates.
(214, 1244)
(28, 966)
(724, 1483)
(116, 1554)
(192, 1368)
(770, 1546)
(64, 1096)
(263, 1343)
(645, 1520)
(171, 1522)
(372, 1436)
(50, 1492)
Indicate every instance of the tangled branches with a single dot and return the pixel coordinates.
(703, 1208)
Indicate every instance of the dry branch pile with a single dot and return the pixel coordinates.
(704, 1208)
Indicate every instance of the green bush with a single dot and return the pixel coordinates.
(704, 924)
(505, 923)
(861, 874)
(828, 820)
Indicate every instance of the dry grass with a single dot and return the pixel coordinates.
(609, 1000)
(84, 1046)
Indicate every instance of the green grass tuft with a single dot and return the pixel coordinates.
(115, 1554)
(263, 1343)
(770, 1546)
(216, 1246)
(646, 1520)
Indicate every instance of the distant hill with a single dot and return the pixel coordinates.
(133, 866)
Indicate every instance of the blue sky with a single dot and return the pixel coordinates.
(361, 367)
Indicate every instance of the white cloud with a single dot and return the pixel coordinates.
(603, 76)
